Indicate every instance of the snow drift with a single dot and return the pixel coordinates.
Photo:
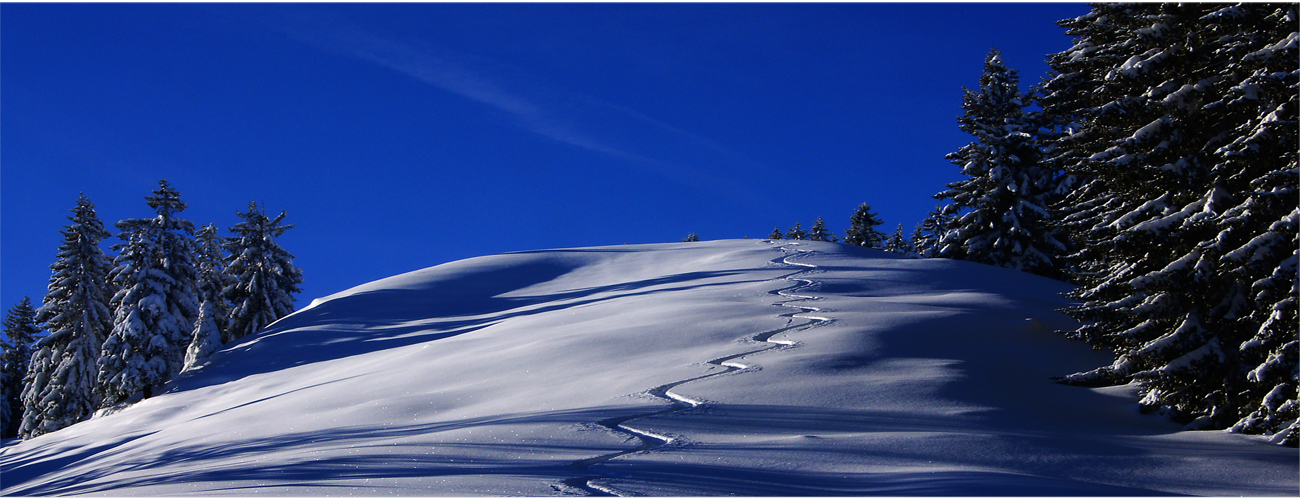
(730, 367)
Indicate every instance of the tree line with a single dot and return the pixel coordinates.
(120, 327)
(1155, 168)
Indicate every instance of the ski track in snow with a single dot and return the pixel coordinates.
(649, 440)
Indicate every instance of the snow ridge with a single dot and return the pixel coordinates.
(650, 440)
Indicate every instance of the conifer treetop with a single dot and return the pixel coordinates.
(1000, 214)
(20, 323)
(862, 228)
(166, 202)
(263, 277)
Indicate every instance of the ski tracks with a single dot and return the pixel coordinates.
(729, 364)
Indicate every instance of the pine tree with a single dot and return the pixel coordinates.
(691, 237)
(1001, 211)
(263, 273)
(60, 384)
(862, 228)
(1271, 404)
(916, 241)
(1180, 127)
(214, 310)
(928, 234)
(15, 353)
(797, 232)
(776, 234)
(1258, 237)
(899, 244)
(157, 303)
(820, 233)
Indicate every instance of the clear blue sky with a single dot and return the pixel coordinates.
(401, 136)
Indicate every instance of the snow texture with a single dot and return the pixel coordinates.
(745, 367)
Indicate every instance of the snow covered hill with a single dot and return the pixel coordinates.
(729, 367)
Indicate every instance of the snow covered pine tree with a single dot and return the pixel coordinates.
(61, 380)
(1000, 214)
(15, 352)
(862, 228)
(928, 233)
(820, 233)
(797, 232)
(899, 244)
(156, 305)
(916, 241)
(214, 310)
(1181, 127)
(1258, 237)
(776, 234)
(263, 274)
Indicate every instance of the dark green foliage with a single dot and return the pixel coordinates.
(925, 239)
(1000, 213)
(263, 274)
(917, 240)
(156, 305)
(1179, 141)
(820, 233)
(862, 228)
(899, 244)
(691, 237)
(214, 309)
(776, 234)
(61, 379)
(796, 232)
(15, 352)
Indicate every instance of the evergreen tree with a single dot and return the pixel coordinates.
(1270, 400)
(1180, 125)
(15, 352)
(899, 244)
(263, 273)
(1001, 212)
(928, 234)
(820, 233)
(776, 234)
(1258, 237)
(862, 228)
(691, 237)
(60, 383)
(797, 232)
(157, 303)
(210, 327)
(915, 242)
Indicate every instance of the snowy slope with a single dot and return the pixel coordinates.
(730, 367)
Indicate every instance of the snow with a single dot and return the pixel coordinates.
(1147, 209)
(1279, 48)
(1135, 66)
(794, 368)
(1149, 131)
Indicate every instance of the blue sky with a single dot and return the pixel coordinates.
(401, 136)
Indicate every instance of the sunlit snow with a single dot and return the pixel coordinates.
(742, 367)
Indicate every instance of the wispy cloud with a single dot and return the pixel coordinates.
(580, 121)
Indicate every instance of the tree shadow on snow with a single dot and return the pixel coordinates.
(358, 452)
(326, 458)
(666, 479)
(372, 321)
